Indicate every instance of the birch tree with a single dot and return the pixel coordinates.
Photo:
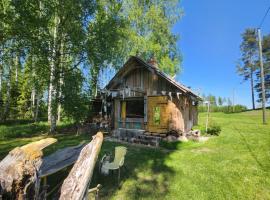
(149, 33)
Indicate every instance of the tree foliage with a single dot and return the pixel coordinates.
(266, 64)
(248, 62)
(48, 46)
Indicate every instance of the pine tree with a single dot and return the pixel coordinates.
(266, 60)
(220, 101)
(247, 66)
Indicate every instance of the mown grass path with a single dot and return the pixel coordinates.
(234, 165)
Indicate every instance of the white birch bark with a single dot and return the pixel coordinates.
(59, 103)
(17, 63)
(7, 103)
(1, 80)
(52, 88)
(33, 97)
(60, 83)
(37, 108)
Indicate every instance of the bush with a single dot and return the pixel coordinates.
(214, 129)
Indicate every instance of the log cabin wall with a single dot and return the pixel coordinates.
(143, 80)
(180, 113)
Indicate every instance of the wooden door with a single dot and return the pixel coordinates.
(157, 114)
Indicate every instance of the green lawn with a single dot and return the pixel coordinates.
(234, 165)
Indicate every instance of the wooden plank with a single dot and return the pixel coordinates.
(60, 160)
(123, 110)
(18, 170)
(161, 102)
(145, 109)
(76, 184)
(116, 112)
(142, 79)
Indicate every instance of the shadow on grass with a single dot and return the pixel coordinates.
(251, 151)
(145, 174)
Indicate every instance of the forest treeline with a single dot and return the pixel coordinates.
(219, 104)
(53, 51)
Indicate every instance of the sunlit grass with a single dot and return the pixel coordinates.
(234, 165)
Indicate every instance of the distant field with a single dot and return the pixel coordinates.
(234, 165)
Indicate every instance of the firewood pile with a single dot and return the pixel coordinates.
(102, 121)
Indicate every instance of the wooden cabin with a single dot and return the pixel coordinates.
(140, 96)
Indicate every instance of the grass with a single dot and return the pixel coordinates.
(234, 165)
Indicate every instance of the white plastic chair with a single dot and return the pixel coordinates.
(118, 162)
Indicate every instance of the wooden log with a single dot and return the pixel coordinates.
(75, 186)
(18, 170)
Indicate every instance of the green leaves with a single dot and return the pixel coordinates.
(60, 40)
(149, 32)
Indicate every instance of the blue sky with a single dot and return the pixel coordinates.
(210, 36)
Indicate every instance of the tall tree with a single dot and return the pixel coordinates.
(105, 34)
(266, 60)
(68, 31)
(212, 99)
(150, 33)
(220, 101)
(247, 65)
(134, 27)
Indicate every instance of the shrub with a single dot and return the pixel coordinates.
(214, 129)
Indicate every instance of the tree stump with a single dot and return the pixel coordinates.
(18, 170)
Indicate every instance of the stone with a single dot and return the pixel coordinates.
(182, 139)
(172, 138)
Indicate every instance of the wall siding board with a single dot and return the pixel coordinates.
(175, 113)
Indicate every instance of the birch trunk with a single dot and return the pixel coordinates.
(52, 88)
(7, 103)
(37, 108)
(94, 81)
(59, 103)
(33, 97)
(33, 91)
(17, 65)
(60, 82)
(1, 80)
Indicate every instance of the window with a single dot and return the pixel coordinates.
(135, 108)
(156, 115)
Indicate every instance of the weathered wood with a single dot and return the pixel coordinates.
(60, 160)
(161, 102)
(18, 170)
(144, 79)
(76, 184)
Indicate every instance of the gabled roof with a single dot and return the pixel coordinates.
(157, 71)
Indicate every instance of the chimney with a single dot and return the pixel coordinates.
(152, 61)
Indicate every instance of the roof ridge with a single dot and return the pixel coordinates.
(160, 73)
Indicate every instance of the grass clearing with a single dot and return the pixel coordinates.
(234, 165)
